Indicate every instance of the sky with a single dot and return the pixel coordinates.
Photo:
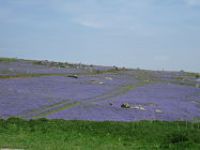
(147, 34)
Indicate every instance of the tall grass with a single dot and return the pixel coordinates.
(60, 134)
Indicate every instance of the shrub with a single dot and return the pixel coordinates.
(197, 76)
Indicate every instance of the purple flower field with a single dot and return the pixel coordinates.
(151, 95)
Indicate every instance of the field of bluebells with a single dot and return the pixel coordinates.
(57, 105)
(44, 89)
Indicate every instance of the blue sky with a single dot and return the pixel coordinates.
(150, 34)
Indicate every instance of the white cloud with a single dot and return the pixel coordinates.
(117, 15)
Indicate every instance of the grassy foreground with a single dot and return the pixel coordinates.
(45, 134)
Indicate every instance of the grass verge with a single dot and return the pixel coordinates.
(46, 134)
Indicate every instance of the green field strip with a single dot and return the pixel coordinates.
(8, 60)
(45, 107)
(29, 75)
(33, 112)
(119, 91)
(39, 75)
(53, 111)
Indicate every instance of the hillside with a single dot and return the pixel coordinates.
(33, 89)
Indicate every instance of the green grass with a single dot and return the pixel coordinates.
(29, 75)
(195, 75)
(2, 59)
(45, 134)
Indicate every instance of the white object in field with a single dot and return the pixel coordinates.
(140, 107)
(158, 111)
(198, 83)
(100, 82)
(10, 149)
(108, 78)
